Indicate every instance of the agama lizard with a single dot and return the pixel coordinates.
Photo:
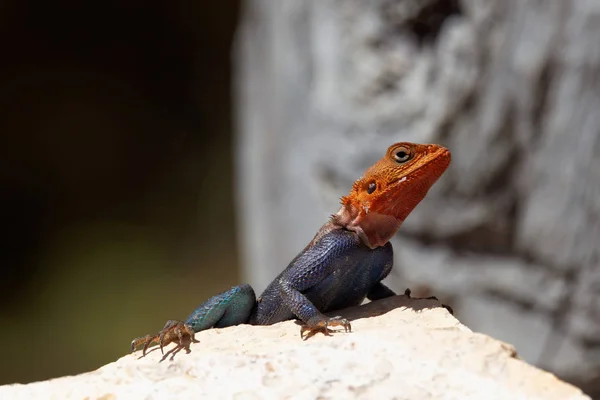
(344, 263)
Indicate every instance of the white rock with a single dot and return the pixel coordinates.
(399, 349)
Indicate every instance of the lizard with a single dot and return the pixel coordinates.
(342, 265)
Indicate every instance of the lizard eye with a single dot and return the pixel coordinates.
(371, 188)
(402, 154)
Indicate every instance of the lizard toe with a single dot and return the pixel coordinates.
(173, 331)
(323, 325)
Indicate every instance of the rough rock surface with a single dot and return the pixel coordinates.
(510, 86)
(399, 349)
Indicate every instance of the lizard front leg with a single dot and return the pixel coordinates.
(320, 279)
(232, 307)
(314, 320)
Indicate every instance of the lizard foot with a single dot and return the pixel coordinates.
(173, 330)
(323, 325)
(407, 293)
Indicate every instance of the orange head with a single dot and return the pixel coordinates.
(390, 189)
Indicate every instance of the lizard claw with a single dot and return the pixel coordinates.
(145, 340)
(339, 321)
(323, 325)
(172, 331)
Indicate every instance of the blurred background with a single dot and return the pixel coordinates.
(156, 153)
(116, 170)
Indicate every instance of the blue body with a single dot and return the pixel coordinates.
(336, 272)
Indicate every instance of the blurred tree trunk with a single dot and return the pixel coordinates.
(510, 235)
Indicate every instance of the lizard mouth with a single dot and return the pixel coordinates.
(441, 157)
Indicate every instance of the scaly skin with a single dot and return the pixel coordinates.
(343, 264)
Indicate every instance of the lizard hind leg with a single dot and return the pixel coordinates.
(231, 307)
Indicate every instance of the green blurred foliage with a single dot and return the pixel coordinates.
(115, 173)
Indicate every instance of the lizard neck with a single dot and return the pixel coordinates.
(373, 229)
